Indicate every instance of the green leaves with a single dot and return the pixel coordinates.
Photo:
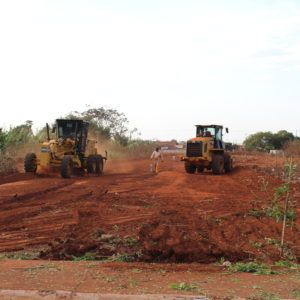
(183, 286)
(265, 141)
(16, 136)
(106, 122)
(251, 267)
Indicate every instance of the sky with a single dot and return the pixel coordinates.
(166, 64)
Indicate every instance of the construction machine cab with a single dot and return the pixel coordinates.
(76, 130)
(213, 131)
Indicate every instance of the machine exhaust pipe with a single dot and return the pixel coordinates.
(48, 132)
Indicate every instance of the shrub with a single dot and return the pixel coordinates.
(183, 286)
(251, 267)
(7, 164)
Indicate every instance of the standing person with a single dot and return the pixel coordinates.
(156, 156)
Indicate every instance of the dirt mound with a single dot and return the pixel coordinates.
(233, 238)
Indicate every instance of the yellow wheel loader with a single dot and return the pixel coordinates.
(70, 151)
(207, 151)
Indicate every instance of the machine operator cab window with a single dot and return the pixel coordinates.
(77, 130)
(205, 131)
(211, 131)
(66, 129)
(218, 135)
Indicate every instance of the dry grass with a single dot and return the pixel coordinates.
(7, 164)
(293, 148)
(138, 149)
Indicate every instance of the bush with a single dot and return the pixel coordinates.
(251, 267)
(265, 141)
(7, 164)
(293, 148)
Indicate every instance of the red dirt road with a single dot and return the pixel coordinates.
(128, 212)
(140, 278)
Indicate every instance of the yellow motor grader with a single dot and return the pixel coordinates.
(71, 150)
(207, 151)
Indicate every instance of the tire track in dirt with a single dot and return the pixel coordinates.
(172, 216)
(17, 198)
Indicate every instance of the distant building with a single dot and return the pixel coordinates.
(170, 145)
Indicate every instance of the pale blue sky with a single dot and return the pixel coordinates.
(166, 64)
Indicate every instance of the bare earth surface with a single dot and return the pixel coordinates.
(129, 214)
(140, 278)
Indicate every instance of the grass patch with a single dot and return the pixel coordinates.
(88, 256)
(276, 212)
(220, 262)
(183, 286)
(252, 267)
(19, 255)
(124, 257)
(131, 242)
(7, 164)
(296, 294)
(119, 257)
(136, 270)
(256, 245)
(264, 296)
(272, 242)
(256, 213)
(287, 264)
(46, 267)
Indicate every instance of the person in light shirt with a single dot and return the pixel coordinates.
(157, 157)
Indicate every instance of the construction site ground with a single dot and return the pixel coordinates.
(134, 232)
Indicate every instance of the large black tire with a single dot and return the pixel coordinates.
(200, 169)
(217, 165)
(66, 168)
(30, 163)
(94, 164)
(189, 168)
(228, 165)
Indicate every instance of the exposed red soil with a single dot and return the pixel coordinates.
(140, 278)
(169, 217)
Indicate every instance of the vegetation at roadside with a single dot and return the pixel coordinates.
(108, 126)
(282, 193)
(293, 148)
(265, 141)
(251, 267)
(10, 142)
(264, 295)
(183, 286)
(287, 264)
(88, 256)
(19, 255)
(119, 257)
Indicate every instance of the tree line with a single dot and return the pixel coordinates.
(110, 124)
(266, 141)
(105, 124)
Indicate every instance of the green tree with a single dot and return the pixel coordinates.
(265, 141)
(281, 139)
(261, 141)
(3, 135)
(108, 123)
(19, 135)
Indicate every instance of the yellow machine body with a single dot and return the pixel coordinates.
(207, 151)
(71, 149)
(53, 151)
